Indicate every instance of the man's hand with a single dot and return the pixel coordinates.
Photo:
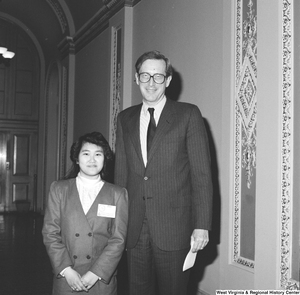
(200, 238)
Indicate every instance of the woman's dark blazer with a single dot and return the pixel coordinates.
(174, 190)
(85, 242)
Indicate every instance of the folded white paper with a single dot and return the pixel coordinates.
(190, 258)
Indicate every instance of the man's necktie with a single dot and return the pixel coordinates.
(151, 129)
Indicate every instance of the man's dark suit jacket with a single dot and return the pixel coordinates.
(175, 189)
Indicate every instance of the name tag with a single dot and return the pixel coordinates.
(106, 211)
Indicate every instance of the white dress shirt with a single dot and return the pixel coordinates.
(88, 190)
(144, 122)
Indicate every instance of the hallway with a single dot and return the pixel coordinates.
(25, 267)
(24, 264)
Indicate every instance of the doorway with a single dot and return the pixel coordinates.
(18, 166)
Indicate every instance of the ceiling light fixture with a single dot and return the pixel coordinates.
(5, 53)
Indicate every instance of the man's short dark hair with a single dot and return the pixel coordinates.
(154, 55)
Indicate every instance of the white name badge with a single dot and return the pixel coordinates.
(106, 211)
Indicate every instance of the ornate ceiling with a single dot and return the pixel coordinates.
(50, 21)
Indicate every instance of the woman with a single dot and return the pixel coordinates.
(85, 222)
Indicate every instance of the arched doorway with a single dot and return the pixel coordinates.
(19, 119)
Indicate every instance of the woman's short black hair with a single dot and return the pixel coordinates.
(95, 138)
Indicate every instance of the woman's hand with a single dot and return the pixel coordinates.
(74, 280)
(89, 279)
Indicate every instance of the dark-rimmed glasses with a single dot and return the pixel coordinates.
(157, 78)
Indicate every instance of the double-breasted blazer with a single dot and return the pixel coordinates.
(174, 190)
(88, 242)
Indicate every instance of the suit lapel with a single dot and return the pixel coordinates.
(77, 203)
(90, 216)
(74, 192)
(134, 130)
(103, 197)
(165, 122)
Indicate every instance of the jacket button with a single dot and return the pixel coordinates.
(77, 235)
(146, 178)
(90, 234)
(75, 256)
(88, 257)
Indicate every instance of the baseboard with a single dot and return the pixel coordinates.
(201, 292)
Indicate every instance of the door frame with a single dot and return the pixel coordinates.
(9, 130)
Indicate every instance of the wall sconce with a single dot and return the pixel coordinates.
(5, 53)
(5, 56)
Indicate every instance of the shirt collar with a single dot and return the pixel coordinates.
(158, 107)
(87, 181)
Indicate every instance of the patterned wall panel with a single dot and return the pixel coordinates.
(245, 132)
(116, 82)
(245, 139)
(287, 134)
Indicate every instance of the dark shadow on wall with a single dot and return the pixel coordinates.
(210, 252)
(175, 88)
(110, 166)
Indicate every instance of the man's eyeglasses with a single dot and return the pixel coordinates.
(157, 78)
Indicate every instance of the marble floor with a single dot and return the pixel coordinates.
(24, 264)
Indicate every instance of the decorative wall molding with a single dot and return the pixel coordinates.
(16, 124)
(131, 3)
(45, 139)
(59, 14)
(116, 83)
(245, 118)
(66, 47)
(95, 25)
(63, 124)
(287, 148)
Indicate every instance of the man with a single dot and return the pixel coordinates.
(169, 187)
